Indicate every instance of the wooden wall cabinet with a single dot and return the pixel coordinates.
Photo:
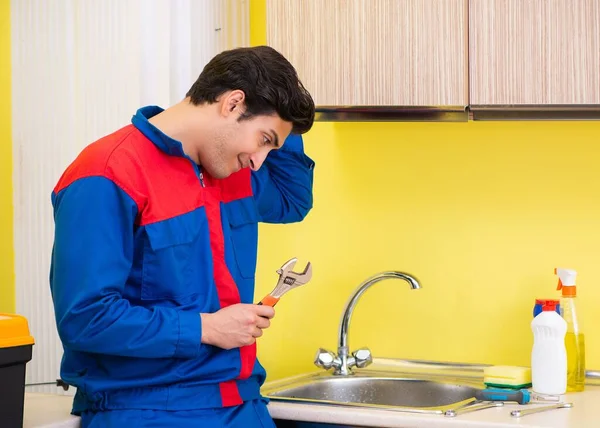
(536, 52)
(375, 52)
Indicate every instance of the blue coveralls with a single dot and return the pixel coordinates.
(144, 242)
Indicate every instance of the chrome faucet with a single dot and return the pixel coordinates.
(343, 361)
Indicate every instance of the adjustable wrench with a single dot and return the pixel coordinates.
(288, 279)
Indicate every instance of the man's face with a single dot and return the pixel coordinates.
(244, 143)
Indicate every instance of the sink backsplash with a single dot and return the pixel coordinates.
(479, 212)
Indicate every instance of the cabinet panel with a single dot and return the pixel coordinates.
(375, 52)
(534, 52)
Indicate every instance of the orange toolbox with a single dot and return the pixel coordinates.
(16, 345)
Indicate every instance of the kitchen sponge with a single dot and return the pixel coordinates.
(511, 377)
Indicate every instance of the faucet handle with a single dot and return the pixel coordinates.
(362, 357)
(326, 359)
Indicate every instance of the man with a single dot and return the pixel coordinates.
(152, 273)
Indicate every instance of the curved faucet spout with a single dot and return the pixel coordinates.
(346, 361)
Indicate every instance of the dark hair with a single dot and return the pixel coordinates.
(270, 84)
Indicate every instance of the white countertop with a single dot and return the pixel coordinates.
(584, 414)
(52, 411)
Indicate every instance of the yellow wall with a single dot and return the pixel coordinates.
(480, 212)
(7, 277)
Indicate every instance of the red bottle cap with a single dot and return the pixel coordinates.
(549, 305)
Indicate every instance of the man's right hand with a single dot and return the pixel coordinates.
(236, 325)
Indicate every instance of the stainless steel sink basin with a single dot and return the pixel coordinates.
(372, 389)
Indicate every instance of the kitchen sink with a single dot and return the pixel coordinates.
(347, 381)
(368, 388)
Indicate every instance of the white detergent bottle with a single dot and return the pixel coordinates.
(549, 354)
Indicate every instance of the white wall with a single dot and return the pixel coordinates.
(80, 69)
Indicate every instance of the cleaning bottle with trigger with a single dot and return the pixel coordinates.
(574, 339)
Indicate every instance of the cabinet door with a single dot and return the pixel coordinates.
(534, 52)
(375, 52)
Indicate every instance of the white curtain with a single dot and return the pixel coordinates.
(80, 69)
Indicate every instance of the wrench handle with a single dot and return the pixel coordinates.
(269, 301)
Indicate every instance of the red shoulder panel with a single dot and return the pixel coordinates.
(93, 159)
(168, 184)
(161, 185)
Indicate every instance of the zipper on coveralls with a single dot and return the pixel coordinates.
(201, 176)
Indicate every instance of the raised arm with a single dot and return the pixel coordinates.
(283, 186)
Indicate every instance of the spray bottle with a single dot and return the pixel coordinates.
(574, 339)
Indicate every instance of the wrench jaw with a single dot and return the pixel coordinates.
(287, 274)
(287, 266)
(305, 276)
(288, 279)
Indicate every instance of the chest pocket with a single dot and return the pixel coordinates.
(243, 220)
(174, 264)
